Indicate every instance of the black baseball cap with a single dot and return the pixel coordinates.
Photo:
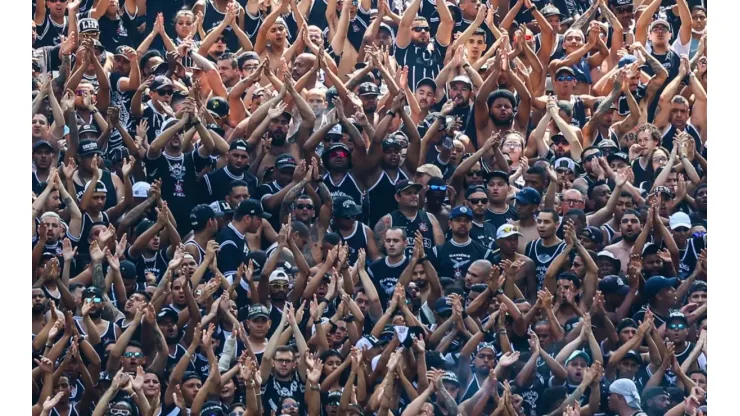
(144, 225)
(619, 3)
(473, 189)
(167, 313)
(160, 82)
(239, 145)
(391, 141)
(258, 310)
(405, 184)
(128, 269)
(618, 156)
(613, 284)
(251, 207)
(428, 82)
(285, 161)
(119, 51)
(88, 25)
(88, 128)
(657, 283)
(221, 208)
(498, 174)
(201, 214)
(92, 292)
(593, 233)
(218, 106)
(41, 144)
(346, 208)
(368, 88)
(528, 196)
(212, 408)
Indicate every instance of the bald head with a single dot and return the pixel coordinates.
(302, 65)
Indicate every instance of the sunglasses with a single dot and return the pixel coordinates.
(625, 10)
(133, 354)
(476, 201)
(442, 188)
(94, 300)
(472, 173)
(119, 412)
(288, 406)
(304, 206)
(419, 29)
(165, 92)
(677, 326)
(592, 157)
(339, 154)
(566, 78)
(279, 285)
(221, 40)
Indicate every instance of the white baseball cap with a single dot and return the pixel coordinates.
(141, 189)
(679, 219)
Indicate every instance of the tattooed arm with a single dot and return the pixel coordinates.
(380, 228)
(288, 200)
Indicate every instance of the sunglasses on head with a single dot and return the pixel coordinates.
(566, 78)
(304, 206)
(442, 188)
(419, 29)
(133, 354)
(592, 156)
(476, 201)
(472, 173)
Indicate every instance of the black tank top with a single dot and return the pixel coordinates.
(213, 18)
(579, 112)
(610, 232)
(420, 222)
(110, 197)
(381, 196)
(201, 251)
(355, 241)
(668, 136)
(347, 186)
(542, 257)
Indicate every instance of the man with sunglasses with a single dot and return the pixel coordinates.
(356, 235)
(482, 231)
(564, 85)
(155, 110)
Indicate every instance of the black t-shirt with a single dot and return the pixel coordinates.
(50, 33)
(498, 220)
(121, 100)
(273, 390)
(452, 259)
(233, 249)
(265, 190)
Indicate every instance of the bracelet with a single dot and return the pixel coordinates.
(466, 65)
(532, 9)
(49, 346)
(318, 322)
(390, 113)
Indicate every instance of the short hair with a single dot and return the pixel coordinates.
(679, 99)
(578, 213)
(625, 194)
(332, 238)
(479, 32)
(401, 229)
(593, 185)
(632, 212)
(300, 228)
(501, 93)
(246, 56)
(539, 171)
(420, 19)
(655, 133)
(134, 343)
(284, 348)
(237, 183)
(152, 53)
(228, 56)
(555, 216)
(147, 296)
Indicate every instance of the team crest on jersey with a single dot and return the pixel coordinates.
(423, 227)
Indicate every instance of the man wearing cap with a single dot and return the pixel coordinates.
(526, 203)
(203, 220)
(624, 399)
(482, 231)
(689, 247)
(356, 235)
(167, 161)
(564, 84)
(655, 401)
(659, 33)
(507, 241)
(232, 245)
(237, 163)
(411, 218)
(454, 257)
(89, 168)
(145, 248)
(414, 38)
(425, 96)
(271, 194)
(154, 111)
(660, 293)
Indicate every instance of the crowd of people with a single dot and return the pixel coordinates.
(407, 207)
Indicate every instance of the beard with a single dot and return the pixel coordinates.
(96, 314)
(502, 123)
(630, 238)
(278, 139)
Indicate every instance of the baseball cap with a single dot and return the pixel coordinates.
(159, 82)
(550, 10)
(461, 211)
(201, 214)
(392, 141)
(626, 60)
(334, 397)
(593, 233)
(88, 25)
(528, 196)
(613, 284)
(128, 269)
(212, 408)
(617, 3)
(144, 225)
(167, 313)
(258, 310)
(451, 377)
(498, 174)
(678, 316)
(88, 148)
(652, 392)
(464, 79)
(607, 144)
(368, 88)
(626, 323)
(284, 161)
(221, 208)
(618, 155)
(120, 51)
(88, 128)
(567, 69)
(578, 353)
(42, 143)
(507, 230)
(430, 170)
(649, 249)
(565, 162)
(428, 82)
(346, 208)
(627, 389)
(663, 190)
(251, 207)
(631, 355)
(443, 305)
(92, 292)
(697, 286)
(218, 106)
(141, 189)
(679, 219)
(657, 283)
(99, 186)
(405, 184)
(473, 189)
(104, 376)
(278, 275)
(659, 22)
(239, 145)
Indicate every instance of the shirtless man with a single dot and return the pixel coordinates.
(507, 240)
(629, 228)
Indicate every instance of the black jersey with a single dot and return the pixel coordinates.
(623, 107)
(121, 100)
(385, 276)
(201, 251)
(155, 119)
(233, 249)
(115, 32)
(422, 62)
(462, 24)
(610, 232)
(217, 183)
(50, 33)
(273, 390)
(579, 111)
(498, 219)
(347, 186)
(380, 196)
(265, 190)
(453, 259)
(688, 256)
(671, 131)
(110, 197)
(155, 264)
(212, 18)
(542, 257)
(484, 233)
(178, 175)
(420, 222)
(355, 241)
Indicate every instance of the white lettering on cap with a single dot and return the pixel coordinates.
(90, 146)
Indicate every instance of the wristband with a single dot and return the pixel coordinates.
(423, 259)
(390, 113)
(466, 65)
(317, 387)
(499, 291)
(532, 9)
